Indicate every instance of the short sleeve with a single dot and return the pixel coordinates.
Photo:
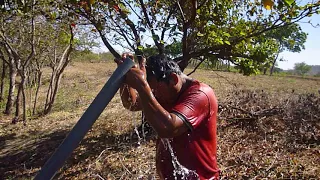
(193, 108)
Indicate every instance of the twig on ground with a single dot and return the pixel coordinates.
(100, 177)
(124, 167)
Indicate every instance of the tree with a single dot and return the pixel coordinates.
(59, 60)
(289, 38)
(3, 75)
(301, 68)
(29, 35)
(229, 30)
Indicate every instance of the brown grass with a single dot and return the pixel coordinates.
(257, 148)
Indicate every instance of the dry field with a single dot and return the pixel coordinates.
(268, 128)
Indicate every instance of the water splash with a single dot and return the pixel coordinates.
(138, 134)
(134, 123)
(142, 126)
(179, 170)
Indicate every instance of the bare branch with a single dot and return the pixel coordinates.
(182, 13)
(198, 65)
(144, 10)
(104, 39)
(167, 21)
(122, 33)
(133, 10)
(315, 26)
(125, 17)
(32, 53)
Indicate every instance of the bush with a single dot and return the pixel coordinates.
(88, 56)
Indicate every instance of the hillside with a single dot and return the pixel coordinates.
(268, 127)
(315, 69)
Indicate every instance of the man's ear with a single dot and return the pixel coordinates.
(174, 79)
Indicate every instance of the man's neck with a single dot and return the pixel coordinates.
(186, 82)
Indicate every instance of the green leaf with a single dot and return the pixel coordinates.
(291, 42)
(280, 5)
(227, 42)
(289, 2)
(162, 42)
(53, 15)
(226, 34)
(155, 37)
(19, 12)
(242, 33)
(219, 41)
(200, 34)
(318, 12)
(140, 48)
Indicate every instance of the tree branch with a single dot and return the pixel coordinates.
(122, 33)
(193, 14)
(198, 65)
(282, 24)
(32, 53)
(159, 45)
(167, 21)
(133, 9)
(125, 17)
(103, 38)
(182, 13)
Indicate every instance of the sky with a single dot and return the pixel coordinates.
(311, 54)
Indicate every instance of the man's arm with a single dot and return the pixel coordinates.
(130, 98)
(166, 124)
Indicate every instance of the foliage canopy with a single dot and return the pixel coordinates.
(238, 31)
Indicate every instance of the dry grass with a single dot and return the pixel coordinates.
(248, 149)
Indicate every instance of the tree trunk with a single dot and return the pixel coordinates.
(265, 70)
(37, 92)
(53, 93)
(275, 60)
(56, 75)
(49, 91)
(3, 75)
(17, 103)
(12, 79)
(273, 64)
(24, 101)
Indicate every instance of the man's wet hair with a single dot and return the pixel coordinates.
(161, 67)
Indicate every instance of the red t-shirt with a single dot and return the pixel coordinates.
(195, 149)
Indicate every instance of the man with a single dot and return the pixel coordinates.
(179, 108)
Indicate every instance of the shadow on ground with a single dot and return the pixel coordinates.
(25, 161)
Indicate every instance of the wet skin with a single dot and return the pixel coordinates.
(138, 94)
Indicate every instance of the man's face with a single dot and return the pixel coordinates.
(162, 90)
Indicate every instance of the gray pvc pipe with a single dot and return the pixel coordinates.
(85, 123)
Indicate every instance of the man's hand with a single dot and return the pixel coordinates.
(124, 56)
(136, 76)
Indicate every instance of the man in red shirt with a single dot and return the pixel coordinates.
(182, 111)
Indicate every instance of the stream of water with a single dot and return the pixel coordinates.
(179, 170)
